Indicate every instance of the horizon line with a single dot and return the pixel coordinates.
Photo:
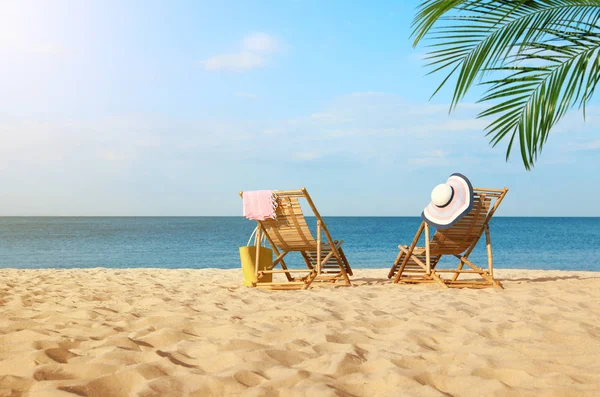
(307, 216)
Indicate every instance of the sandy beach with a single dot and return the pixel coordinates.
(147, 332)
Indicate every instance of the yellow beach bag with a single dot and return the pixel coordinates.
(248, 259)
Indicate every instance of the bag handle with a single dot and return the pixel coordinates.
(263, 239)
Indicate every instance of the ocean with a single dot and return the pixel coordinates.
(212, 242)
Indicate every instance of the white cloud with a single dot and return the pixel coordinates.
(329, 117)
(307, 156)
(430, 157)
(260, 42)
(368, 128)
(379, 128)
(470, 124)
(591, 145)
(142, 164)
(247, 95)
(233, 62)
(253, 54)
(113, 155)
(367, 94)
(418, 56)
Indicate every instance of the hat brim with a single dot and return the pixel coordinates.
(460, 204)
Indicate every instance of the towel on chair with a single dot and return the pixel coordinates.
(259, 205)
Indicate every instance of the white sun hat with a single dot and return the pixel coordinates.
(450, 201)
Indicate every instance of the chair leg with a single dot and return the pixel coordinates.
(276, 251)
(309, 279)
(488, 245)
(393, 270)
(318, 247)
(433, 273)
(459, 268)
(410, 251)
(344, 273)
(346, 264)
(341, 264)
(484, 274)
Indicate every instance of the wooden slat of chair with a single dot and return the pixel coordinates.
(329, 263)
(411, 264)
(290, 231)
(459, 237)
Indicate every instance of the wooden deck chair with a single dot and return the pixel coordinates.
(418, 264)
(324, 258)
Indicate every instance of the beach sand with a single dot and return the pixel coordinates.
(151, 332)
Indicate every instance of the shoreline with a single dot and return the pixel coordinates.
(199, 332)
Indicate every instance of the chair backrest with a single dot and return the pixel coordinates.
(465, 233)
(289, 231)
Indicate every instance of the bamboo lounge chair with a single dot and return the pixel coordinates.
(418, 264)
(324, 258)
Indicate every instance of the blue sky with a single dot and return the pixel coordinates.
(171, 108)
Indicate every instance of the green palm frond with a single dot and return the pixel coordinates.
(549, 48)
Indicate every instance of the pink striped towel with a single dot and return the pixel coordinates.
(259, 205)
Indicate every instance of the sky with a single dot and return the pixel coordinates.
(171, 108)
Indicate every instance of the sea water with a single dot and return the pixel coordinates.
(212, 242)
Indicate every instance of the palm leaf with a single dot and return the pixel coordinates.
(549, 48)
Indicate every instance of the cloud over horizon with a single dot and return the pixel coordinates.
(360, 137)
(254, 51)
(356, 124)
